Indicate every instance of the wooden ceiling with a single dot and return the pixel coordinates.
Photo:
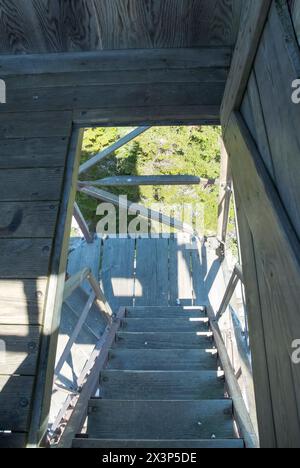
(47, 26)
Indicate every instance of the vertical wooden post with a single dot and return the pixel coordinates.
(225, 196)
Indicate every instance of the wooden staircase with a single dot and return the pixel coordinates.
(162, 386)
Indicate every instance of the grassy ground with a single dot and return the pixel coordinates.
(159, 151)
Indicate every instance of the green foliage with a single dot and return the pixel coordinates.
(159, 151)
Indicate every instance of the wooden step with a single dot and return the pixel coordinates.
(164, 340)
(160, 420)
(165, 312)
(141, 385)
(189, 444)
(162, 359)
(165, 325)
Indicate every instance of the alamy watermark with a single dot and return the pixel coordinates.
(296, 353)
(2, 92)
(133, 220)
(296, 92)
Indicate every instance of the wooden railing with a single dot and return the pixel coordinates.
(244, 411)
(72, 414)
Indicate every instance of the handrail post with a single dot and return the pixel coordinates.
(224, 198)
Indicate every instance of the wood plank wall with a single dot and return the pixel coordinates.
(35, 26)
(295, 12)
(263, 142)
(33, 179)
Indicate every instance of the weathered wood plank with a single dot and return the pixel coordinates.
(15, 395)
(30, 184)
(254, 18)
(163, 340)
(253, 114)
(21, 349)
(160, 360)
(130, 385)
(181, 287)
(200, 444)
(257, 339)
(278, 266)
(155, 115)
(33, 152)
(117, 272)
(28, 219)
(274, 68)
(67, 67)
(114, 96)
(22, 301)
(144, 72)
(56, 270)
(173, 419)
(295, 9)
(40, 124)
(146, 180)
(28, 28)
(152, 264)
(24, 258)
(165, 324)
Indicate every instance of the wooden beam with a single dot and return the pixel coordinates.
(74, 335)
(225, 196)
(241, 414)
(111, 149)
(163, 115)
(114, 60)
(251, 29)
(51, 323)
(277, 264)
(145, 180)
(134, 208)
(82, 224)
(90, 385)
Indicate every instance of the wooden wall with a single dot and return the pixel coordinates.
(34, 183)
(40, 26)
(295, 12)
(263, 140)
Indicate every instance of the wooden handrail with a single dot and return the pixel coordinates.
(237, 275)
(241, 414)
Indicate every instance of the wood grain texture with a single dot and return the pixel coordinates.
(22, 301)
(275, 67)
(162, 340)
(111, 96)
(151, 282)
(21, 349)
(38, 26)
(24, 258)
(33, 152)
(40, 124)
(119, 385)
(164, 325)
(295, 11)
(253, 21)
(117, 272)
(257, 338)
(160, 419)
(278, 270)
(159, 360)
(31, 184)
(151, 116)
(28, 219)
(15, 395)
